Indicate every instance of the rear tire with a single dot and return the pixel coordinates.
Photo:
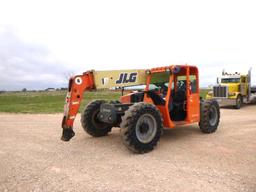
(89, 120)
(141, 127)
(239, 102)
(209, 116)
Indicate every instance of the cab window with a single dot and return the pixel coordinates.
(181, 84)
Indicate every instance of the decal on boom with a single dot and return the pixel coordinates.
(127, 78)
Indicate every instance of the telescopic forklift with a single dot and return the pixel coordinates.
(170, 97)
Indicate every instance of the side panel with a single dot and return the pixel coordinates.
(193, 108)
(119, 78)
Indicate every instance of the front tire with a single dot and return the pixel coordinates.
(90, 122)
(141, 127)
(209, 116)
(239, 101)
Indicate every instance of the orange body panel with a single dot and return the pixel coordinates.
(193, 114)
(125, 98)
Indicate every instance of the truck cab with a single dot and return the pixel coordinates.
(232, 89)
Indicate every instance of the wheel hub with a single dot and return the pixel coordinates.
(146, 128)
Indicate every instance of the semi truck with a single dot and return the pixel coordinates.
(233, 89)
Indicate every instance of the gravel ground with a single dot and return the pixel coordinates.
(33, 158)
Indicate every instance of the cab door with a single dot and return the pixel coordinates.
(193, 95)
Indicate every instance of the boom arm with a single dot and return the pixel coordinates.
(94, 80)
(77, 86)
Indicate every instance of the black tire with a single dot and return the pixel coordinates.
(239, 102)
(90, 122)
(209, 116)
(119, 117)
(141, 127)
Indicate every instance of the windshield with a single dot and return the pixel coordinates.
(230, 80)
(158, 82)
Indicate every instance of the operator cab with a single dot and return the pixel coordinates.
(174, 91)
(178, 91)
(177, 98)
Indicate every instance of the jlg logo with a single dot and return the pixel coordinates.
(127, 78)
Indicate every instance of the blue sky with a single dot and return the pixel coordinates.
(44, 42)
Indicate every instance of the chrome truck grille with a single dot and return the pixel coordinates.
(220, 91)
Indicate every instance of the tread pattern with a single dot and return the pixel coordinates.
(92, 127)
(128, 126)
(204, 116)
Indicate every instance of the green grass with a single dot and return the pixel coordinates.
(45, 102)
(203, 92)
(50, 102)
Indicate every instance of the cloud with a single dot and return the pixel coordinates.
(26, 65)
(107, 35)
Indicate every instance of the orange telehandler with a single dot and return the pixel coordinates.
(170, 97)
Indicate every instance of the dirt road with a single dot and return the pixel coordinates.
(33, 158)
